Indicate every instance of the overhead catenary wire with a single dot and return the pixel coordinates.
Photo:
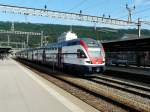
(141, 11)
(92, 5)
(136, 12)
(146, 17)
(77, 5)
(61, 15)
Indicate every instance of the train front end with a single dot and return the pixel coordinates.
(95, 61)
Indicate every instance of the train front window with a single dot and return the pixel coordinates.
(91, 42)
(94, 53)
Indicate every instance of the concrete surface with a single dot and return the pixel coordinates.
(22, 90)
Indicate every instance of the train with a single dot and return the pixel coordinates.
(69, 53)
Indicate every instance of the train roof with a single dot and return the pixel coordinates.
(5, 49)
(89, 41)
(60, 44)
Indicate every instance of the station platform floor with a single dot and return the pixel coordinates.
(22, 90)
(132, 70)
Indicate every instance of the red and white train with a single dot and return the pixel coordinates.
(85, 55)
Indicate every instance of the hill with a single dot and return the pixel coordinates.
(54, 30)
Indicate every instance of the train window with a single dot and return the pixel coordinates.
(72, 43)
(80, 53)
(94, 53)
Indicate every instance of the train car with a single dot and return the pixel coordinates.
(85, 55)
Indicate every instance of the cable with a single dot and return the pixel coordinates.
(122, 17)
(137, 12)
(141, 11)
(146, 17)
(86, 8)
(77, 5)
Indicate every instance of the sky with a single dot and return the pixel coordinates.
(114, 8)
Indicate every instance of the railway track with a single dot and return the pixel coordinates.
(104, 88)
(132, 101)
(124, 85)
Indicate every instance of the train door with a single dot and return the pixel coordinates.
(60, 58)
(44, 56)
(27, 54)
(37, 57)
(32, 55)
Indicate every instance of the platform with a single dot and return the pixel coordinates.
(132, 70)
(22, 90)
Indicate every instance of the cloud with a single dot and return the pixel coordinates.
(141, 2)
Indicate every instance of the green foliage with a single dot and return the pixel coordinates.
(54, 30)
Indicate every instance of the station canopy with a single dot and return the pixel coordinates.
(4, 49)
(137, 44)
